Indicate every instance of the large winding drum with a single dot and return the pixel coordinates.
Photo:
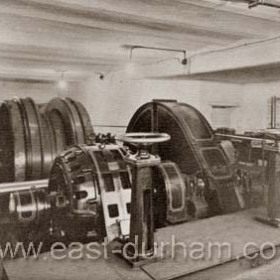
(70, 118)
(31, 135)
(20, 141)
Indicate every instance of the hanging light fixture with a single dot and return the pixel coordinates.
(62, 83)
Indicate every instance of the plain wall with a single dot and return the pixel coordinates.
(255, 109)
(40, 91)
(111, 102)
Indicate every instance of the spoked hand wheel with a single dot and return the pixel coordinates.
(142, 140)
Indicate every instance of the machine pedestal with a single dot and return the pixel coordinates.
(140, 249)
(273, 177)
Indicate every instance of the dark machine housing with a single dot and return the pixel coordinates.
(193, 148)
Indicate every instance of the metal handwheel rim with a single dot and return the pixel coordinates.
(144, 138)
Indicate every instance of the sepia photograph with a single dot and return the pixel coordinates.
(140, 140)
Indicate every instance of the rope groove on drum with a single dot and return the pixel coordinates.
(33, 135)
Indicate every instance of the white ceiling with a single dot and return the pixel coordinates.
(42, 38)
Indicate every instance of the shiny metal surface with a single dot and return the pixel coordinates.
(143, 138)
(29, 206)
(22, 186)
(33, 139)
(49, 149)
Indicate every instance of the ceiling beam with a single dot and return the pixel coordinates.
(238, 8)
(89, 34)
(20, 28)
(199, 13)
(138, 20)
(49, 75)
(254, 54)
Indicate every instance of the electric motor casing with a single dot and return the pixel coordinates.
(79, 178)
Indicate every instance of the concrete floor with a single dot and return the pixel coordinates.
(237, 229)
